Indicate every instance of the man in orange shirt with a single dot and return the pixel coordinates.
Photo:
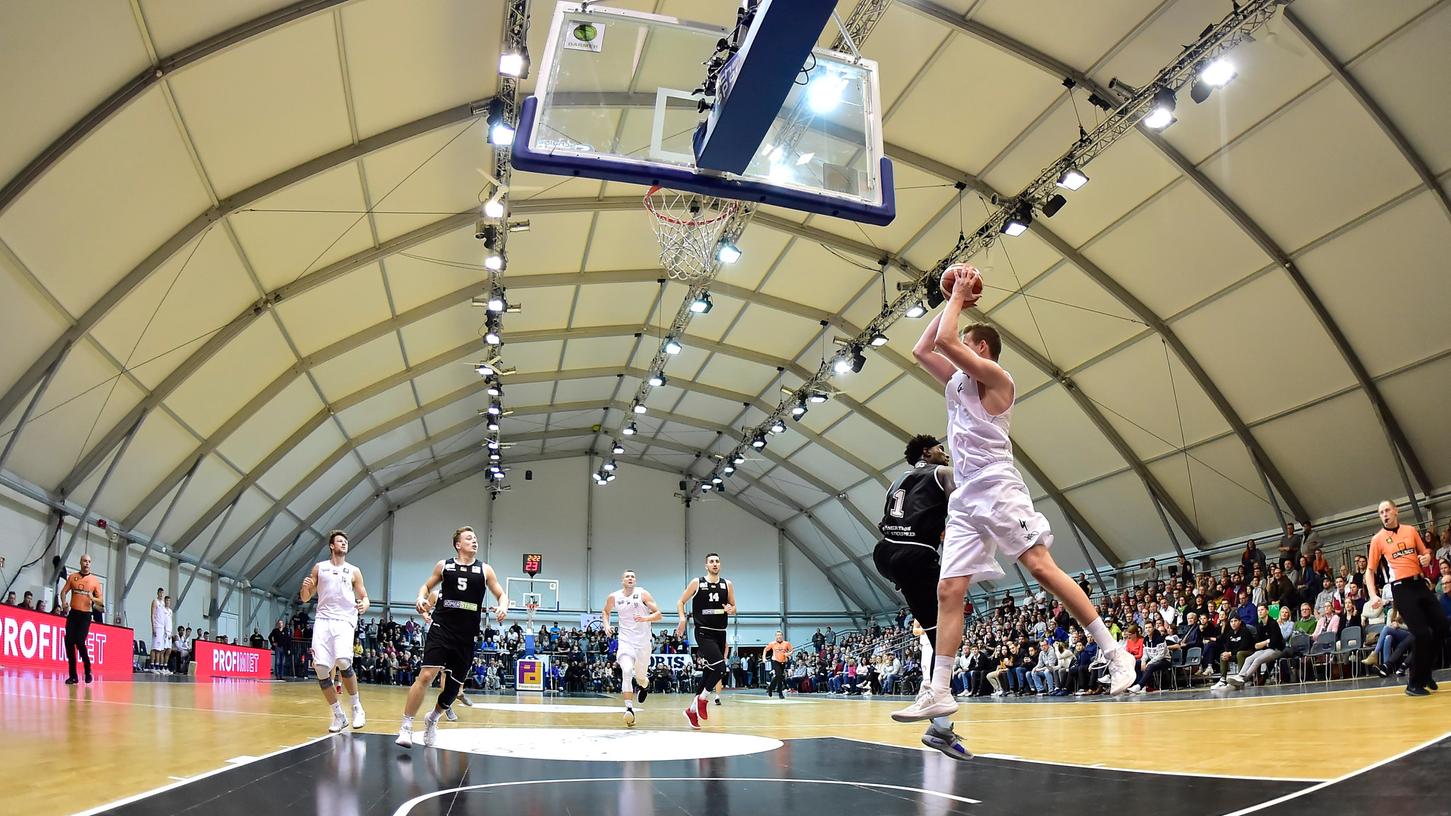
(780, 652)
(82, 593)
(1401, 547)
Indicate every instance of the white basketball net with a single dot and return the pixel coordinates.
(688, 228)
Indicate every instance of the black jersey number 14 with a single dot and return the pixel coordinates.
(714, 597)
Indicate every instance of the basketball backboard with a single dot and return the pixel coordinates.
(616, 99)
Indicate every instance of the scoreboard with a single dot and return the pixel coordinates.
(533, 564)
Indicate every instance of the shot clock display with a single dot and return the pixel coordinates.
(533, 564)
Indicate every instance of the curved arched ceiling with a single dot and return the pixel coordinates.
(237, 260)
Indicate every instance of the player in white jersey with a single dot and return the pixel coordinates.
(990, 511)
(159, 632)
(341, 598)
(637, 610)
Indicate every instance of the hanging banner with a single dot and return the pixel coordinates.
(36, 641)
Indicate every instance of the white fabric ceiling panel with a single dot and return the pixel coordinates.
(1054, 312)
(461, 411)
(897, 65)
(272, 423)
(1016, 95)
(553, 244)
(212, 479)
(1161, 397)
(597, 352)
(33, 324)
(413, 283)
(443, 331)
(821, 416)
(445, 380)
(612, 305)
(912, 406)
(1120, 510)
(302, 458)
(810, 275)
(394, 440)
(304, 227)
(174, 311)
(797, 492)
(1176, 250)
(736, 374)
(1218, 488)
(175, 24)
(359, 293)
(355, 370)
(1299, 189)
(836, 473)
(1415, 100)
(594, 388)
(249, 115)
(406, 61)
(1062, 439)
(709, 409)
(1320, 439)
(85, 398)
(43, 44)
(1348, 29)
(1026, 376)
(858, 539)
(1262, 345)
(316, 491)
(376, 410)
(1418, 398)
(1403, 247)
(532, 357)
(1065, 549)
(521, 394)
(251, 508)
(414, 183)
(623, 240)
(245, 366)
(877, 374)
(920, 196)
(133, 182)
(682, 366)
(543, 307)
(868, 441)
(160, 445)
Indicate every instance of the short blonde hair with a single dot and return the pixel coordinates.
(460, 531)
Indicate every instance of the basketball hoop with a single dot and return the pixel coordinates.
(688, 228)
(531, 607)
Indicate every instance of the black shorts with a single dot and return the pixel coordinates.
(914, 569)
(451, 650)
(711, 645)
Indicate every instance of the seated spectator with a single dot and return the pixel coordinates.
(1391, 648)
(1307, 621)
(1237, 645)
(1269, 644)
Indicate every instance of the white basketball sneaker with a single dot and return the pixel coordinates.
(1120, 670)
(340, 721)
(928, 705)
(359, 718)
(405, 736)
(629, 717)
(430, 731)
(449, 713)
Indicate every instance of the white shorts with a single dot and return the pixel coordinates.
(332, 642)
(633, 658)
(989, 514)
(161, 642)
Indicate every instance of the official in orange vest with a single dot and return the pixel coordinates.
(1400, 546)
(82, 593)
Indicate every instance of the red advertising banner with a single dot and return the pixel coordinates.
(221, 660)
(36, 641)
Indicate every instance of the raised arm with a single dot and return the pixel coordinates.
(950, 345)
(926, 355)
(309, 585)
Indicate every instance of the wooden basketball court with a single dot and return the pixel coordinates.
(178, 746)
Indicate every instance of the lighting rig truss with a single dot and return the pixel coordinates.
(1236, 27)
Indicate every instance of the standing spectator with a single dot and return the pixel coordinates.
(1290, 543)
(10, 599)
(28, 602)
(1251, 558)
(281, 641)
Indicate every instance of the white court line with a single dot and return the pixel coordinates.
(1327, 783)
(137, 797)
(1015, 758)
(408, 806)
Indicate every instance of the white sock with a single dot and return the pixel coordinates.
(705, 695)
(432, 716)
(357, 701)
(942, 674)
(337, 708)
(942, 722)
(1101, 636)
(926, 661)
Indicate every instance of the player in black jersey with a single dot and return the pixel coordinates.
(714, 601)
(908, 555)
(449, 647)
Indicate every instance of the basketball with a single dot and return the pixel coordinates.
(949, 279)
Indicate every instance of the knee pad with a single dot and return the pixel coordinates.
(324, 683)
(346, 670)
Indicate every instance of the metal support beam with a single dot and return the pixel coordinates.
(96, 494)
(1083, 548)
(215, 535)
(390, 524)
(30, 408)
(151, 541)
(1168, 528)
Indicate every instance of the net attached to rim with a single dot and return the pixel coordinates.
(688, 228)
